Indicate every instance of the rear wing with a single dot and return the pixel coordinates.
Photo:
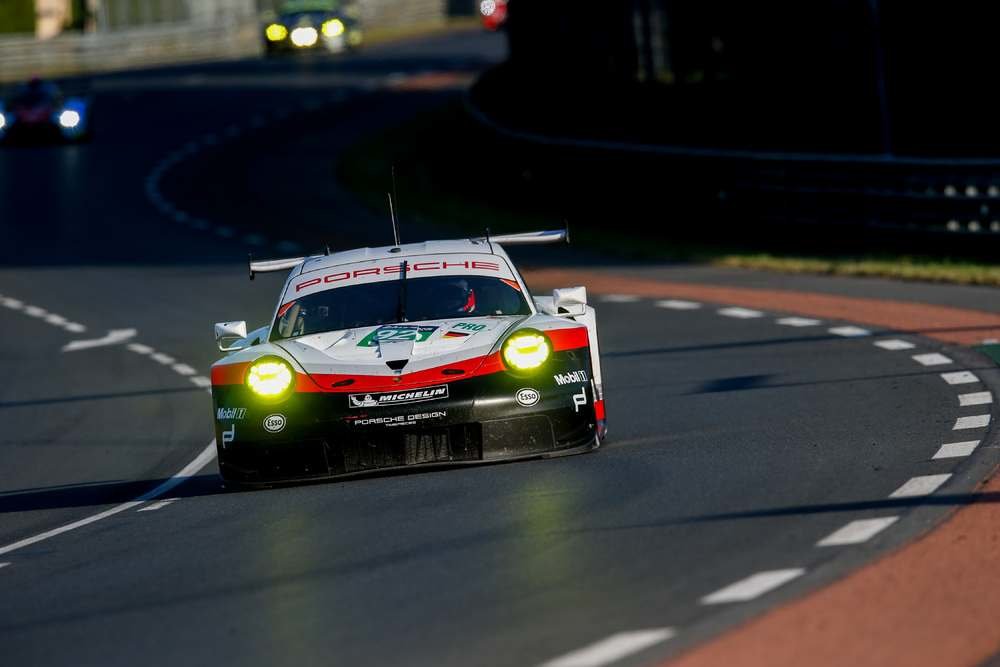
(524, 238)
(272, 265)
(529, 238)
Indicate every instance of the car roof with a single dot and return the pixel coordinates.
(479, 246)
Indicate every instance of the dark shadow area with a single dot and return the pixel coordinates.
(100, 397)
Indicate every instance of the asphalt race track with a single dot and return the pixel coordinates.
(740, 439)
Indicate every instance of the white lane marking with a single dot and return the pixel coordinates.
(201, 381)
(972, 421)
(57, 320)
(74, 327)
(139, 348)
(225, 232)
(954, 450)
(113, 337)
(959, 377)
(158, 505)
(13, 304)
(740, 313)
(161, 358)
(619, 298)
(678, 304)
(850, 332)
(4, 564)
(35, 311)
(612, 649)
(753, 586)
(920, 486)
(183, 369)
(857, 532)
(932, 359)
(975, 398)
(799, 322)
(203, 459)
(894, 344)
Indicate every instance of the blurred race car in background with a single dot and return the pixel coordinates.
(422, 354)
(493, 13)
(38, 111)
(310, 25)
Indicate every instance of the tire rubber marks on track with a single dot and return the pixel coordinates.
(857, 532)
(753, 586)
(612, 649)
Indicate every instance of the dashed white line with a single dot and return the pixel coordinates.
(57, 320)
(923, 485)
(113, 337)
(753, 586)
(975, 398)
(201, 381)
(74, 327)
(972, 421)
(619, 298)
(183, 369)
(161, 358)
(35, 311)
(959, 377)
(158, 505)
(188, 471)
(139, 348)
(799, 322)
(932, 359)
(857, 532)
(954, 450)
(13, 304)
(740, 313)
(678, 304)
(613, 648)
(850, 332)
(4, 565)
(225, 232)
(894, 344)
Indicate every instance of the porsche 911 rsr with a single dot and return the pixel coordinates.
(313, 25)
(422, 354)
(38, 111)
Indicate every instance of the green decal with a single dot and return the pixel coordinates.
(397, 332)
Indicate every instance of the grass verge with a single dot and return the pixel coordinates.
(450, 175)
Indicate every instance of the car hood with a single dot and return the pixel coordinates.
(400, 349)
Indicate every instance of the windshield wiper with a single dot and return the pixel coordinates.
(401, 306)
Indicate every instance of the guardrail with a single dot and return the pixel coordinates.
(163, 44)
(71, 54)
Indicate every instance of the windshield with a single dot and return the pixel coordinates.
(302, 6)
(390, 302)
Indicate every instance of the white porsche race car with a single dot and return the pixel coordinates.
(407, 355)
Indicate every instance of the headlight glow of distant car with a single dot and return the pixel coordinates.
(276, 32)
(69, 119)
(526, 350)
(270, 378)
(305, 36)
(333, 28)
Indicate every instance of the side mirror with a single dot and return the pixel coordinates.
(570, 301)
(230, 335)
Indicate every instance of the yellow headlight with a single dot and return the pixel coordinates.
(269, 379)
(333, 28)
(525, 351)
(276, 32)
